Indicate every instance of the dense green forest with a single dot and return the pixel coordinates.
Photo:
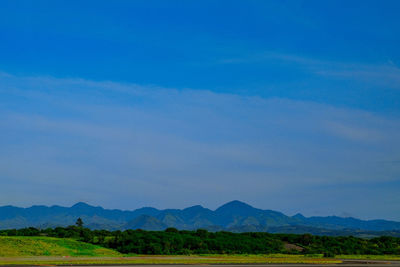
(173, 241)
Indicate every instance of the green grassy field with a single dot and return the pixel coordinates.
(48, 246)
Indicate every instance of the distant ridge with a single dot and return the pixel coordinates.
(233, 216)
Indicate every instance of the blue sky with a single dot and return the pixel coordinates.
(286, 105)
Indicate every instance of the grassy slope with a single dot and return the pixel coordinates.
(48, 246)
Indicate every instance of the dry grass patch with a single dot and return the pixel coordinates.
(208, 259)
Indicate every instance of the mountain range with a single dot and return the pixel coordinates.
(234, 216)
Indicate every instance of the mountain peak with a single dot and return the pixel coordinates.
(196, 207)
(81, 205)
(235, 205)
(299, 216)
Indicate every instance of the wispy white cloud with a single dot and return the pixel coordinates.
(148, 145)
(355, 133)
(385, 74)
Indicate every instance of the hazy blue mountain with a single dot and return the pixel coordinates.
(145, 222)
(335, 222)
(298, 229)
(234, 216)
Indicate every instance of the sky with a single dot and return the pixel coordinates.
(286, 105)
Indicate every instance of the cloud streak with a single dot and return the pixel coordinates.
(379, 74)
(127, 145)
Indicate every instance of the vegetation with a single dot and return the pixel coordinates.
(79, 222)
(174, 242)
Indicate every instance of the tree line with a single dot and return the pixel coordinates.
(175, 242)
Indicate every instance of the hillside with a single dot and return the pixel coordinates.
(48, 246)
(234, 216)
